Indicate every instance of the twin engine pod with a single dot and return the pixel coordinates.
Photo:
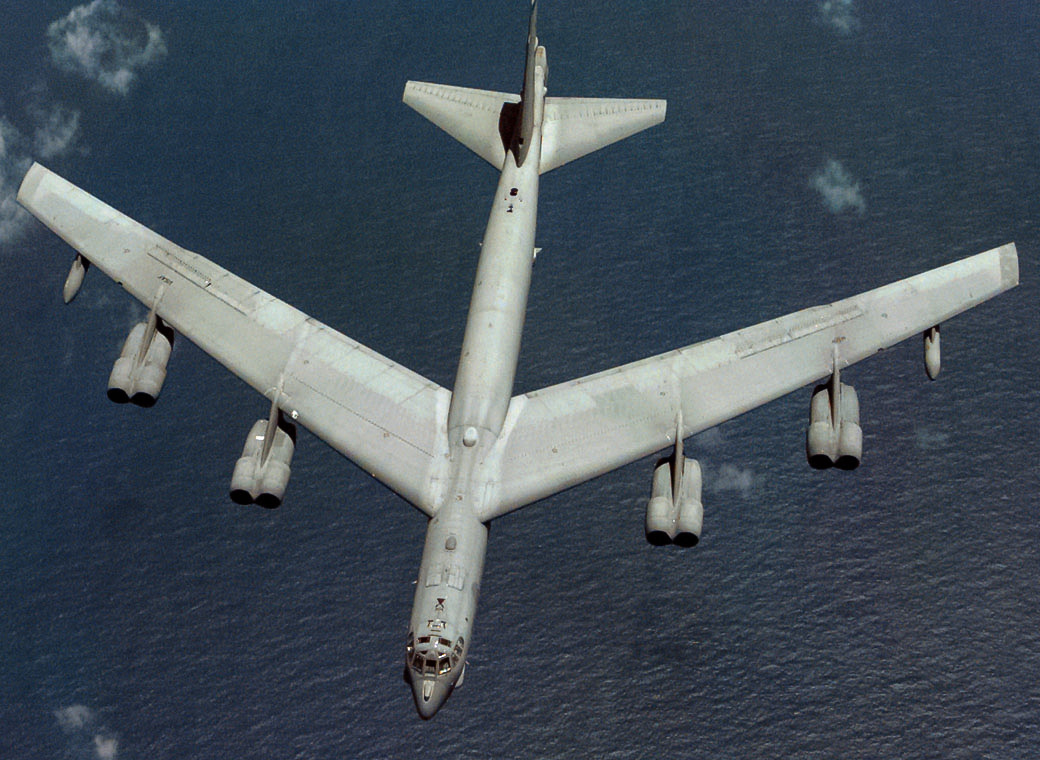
(140, 371)
(675, 513)
(834, 437)
(262, 472)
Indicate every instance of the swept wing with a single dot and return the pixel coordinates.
(566, 434)
(389, 420)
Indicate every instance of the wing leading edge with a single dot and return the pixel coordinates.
(566, 434)
(387, 419)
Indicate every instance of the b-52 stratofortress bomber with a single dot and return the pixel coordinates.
(468, 455)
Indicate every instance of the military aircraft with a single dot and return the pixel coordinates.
(466, 456)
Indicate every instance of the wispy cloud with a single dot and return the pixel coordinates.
(74, 718)
(730, 477)
(926, 439)
(710, 438)
(56, 129)
(101, 41)
(105, 747)
(54, 132)
(106, 43)
(85, 734)
(839, 15)
(839, 191)
(14, 162)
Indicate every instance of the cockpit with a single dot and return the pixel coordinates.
(433, 655)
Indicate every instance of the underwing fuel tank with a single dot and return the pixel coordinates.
(75, 279)
(932, 363)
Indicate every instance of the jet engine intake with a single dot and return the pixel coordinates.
(262, 472)
(140, 371)
(834, 437)
(675, 512)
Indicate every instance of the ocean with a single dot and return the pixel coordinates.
(812, 150)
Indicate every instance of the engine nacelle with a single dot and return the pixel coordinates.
(675, 512)
(140, 371)
(660, 512)
(262, 472)
(834, 437)
(690, 514)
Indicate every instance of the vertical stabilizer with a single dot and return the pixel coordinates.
(532, 97)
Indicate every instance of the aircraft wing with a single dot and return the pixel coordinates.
(388, 420)
(566, 434)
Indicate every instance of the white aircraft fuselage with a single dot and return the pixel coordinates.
(448, 584)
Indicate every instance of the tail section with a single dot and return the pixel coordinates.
(492, 124)
(481, 120)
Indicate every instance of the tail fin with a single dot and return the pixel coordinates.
(574, 127)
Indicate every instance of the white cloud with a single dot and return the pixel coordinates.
(14, 163)
(729, 477)
(105, 747)
(710, 438)
(56, 129)
(106, 43)
(931, 439)
(80, 724)
(74, 718)
(839, 15)
(840, 192)
(100, 40)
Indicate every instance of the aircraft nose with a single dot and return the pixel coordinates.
(429, 695)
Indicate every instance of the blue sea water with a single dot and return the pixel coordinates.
(891, 612)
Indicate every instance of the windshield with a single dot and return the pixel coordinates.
(434, 655)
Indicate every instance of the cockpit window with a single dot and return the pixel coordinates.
(434, 655)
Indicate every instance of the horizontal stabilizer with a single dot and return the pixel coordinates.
(574, 127)
(482, 120)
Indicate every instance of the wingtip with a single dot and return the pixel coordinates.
(30, 183)
(1009, 265)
